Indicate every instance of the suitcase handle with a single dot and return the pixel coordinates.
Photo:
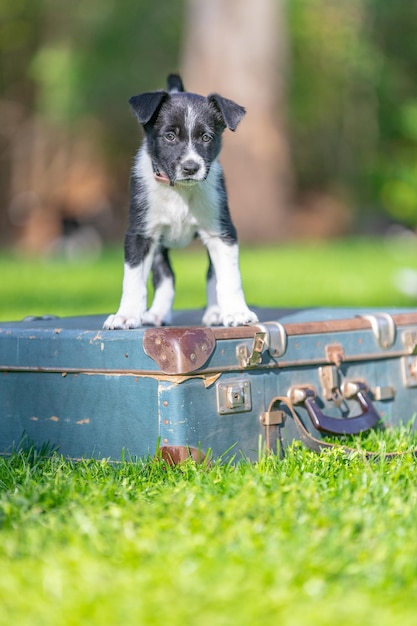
(311, 442)
(336, 426)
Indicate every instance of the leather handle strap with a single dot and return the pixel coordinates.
(317, 445)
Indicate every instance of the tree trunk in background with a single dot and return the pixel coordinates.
(238, 48)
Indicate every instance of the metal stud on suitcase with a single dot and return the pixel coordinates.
(188, 390)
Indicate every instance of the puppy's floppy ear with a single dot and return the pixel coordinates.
(231, 112)
(145, 105)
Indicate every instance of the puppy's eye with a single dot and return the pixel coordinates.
(206, 138)
(170, 136)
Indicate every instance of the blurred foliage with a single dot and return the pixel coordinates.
(84, 59)
(353, 101)
(352, 88)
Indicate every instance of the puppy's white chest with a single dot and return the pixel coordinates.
(171, 219)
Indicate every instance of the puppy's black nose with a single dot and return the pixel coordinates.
(190, 167)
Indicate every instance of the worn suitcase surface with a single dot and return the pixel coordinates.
(186, 389)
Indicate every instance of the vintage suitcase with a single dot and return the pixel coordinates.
(190, 390)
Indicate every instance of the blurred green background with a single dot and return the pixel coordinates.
(348, 97)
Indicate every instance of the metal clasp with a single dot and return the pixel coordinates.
(409, 339)
(270, 336)
(409, 371)
(250, 356)
(234, 396)
(329, 379)
(383, 328)
(275, 338)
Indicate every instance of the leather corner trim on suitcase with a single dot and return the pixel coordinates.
(178, 454)
(179, 350)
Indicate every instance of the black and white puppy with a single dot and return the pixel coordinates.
(178, 193)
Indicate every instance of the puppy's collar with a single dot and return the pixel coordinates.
(160, 177)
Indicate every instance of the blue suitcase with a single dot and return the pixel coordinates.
(189, 390)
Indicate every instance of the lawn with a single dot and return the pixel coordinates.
(353, 272)
(311, 540)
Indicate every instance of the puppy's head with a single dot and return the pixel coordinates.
(183, 130)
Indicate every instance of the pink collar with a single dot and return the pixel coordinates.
(162, 178)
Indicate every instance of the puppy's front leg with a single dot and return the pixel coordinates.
(231, 309)
(138, 260)
(163, 281)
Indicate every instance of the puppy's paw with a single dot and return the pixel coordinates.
(120, 322)
(153, 318)
(212, 316)
(239, 318)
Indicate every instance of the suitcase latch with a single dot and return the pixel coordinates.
(329, 379)
(270, 336)
(249, 356)
(383, 328)
(409, 371)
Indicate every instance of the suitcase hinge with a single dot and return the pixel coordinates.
(270, 336)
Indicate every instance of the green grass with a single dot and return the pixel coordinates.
(353, 272)
(307, 540)
(311, 540)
